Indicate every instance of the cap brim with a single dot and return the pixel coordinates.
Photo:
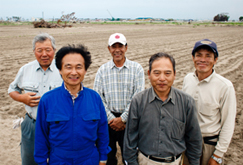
(112, 43)
(194, 50)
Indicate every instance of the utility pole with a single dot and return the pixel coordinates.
(112, 18)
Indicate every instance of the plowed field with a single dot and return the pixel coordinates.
(143, 41)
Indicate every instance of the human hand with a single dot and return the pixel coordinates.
(30, 99)
(101, 163)
(212, 161)
(117, 124)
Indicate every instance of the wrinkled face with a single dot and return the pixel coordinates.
(118, 51)
(44, 53)
(73, 70)
(204, 61)
(162, 75)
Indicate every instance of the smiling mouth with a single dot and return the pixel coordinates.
(74, 78)
(117, 54)
(161, 85)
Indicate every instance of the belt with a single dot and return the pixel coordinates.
(157, 159)
(30, 116)
(207, 140)
(117, 114)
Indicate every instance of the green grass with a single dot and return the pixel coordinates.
(208, 24)
(193, 24)
(5, 23)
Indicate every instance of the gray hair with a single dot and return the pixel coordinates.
(43, 37)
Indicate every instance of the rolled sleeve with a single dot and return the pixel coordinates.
(14, 86)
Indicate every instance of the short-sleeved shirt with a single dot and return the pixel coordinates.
(32, 78)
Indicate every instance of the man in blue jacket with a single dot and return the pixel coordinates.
(71, 126)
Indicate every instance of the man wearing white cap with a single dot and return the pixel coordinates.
(215, 100)
(117, 81)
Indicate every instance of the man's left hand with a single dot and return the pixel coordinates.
(212, 161)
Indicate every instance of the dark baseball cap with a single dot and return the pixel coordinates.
(206, 42)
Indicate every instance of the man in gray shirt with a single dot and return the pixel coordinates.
(162, 121)
(32, 81)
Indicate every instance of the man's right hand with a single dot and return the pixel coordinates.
(28, 98)
(117, 124)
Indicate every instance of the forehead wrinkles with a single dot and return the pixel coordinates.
(46, 43)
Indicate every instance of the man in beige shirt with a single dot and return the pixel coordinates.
(215, 101)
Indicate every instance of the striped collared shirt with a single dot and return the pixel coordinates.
(73, 96)
(117, 86)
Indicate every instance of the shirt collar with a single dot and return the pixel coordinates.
(126, 64)
(37, 65)
(73, 97)
(51, 67)
(206, 79)
(153, 96)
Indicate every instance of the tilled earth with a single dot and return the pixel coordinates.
(143, 41)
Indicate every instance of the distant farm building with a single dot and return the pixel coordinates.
(144, 18)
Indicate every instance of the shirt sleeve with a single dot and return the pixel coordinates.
(228, 113)
(103, 134)
(99, 88)
(138, 87)
(14, 86)
(41, 136)
(193, 137)
(131, 135)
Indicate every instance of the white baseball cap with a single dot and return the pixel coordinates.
(117, 37)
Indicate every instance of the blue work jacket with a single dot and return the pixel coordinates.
(70, 132)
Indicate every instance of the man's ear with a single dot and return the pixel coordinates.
(60, 72)
(126, 47)
(148, 74)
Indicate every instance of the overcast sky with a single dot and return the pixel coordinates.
(176, 9)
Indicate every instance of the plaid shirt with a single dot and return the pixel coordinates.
(116, 86)
(73, 96)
